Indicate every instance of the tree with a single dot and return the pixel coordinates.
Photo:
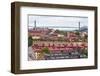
(85, 37)
(57, 31)
(46, 50)
(77, 33)
(30, 41)
(85, 51)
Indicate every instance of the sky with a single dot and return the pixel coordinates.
(57, 22)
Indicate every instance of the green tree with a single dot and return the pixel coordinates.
(46, 50)
(86, 37)
(30, 41)
(77, 33)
